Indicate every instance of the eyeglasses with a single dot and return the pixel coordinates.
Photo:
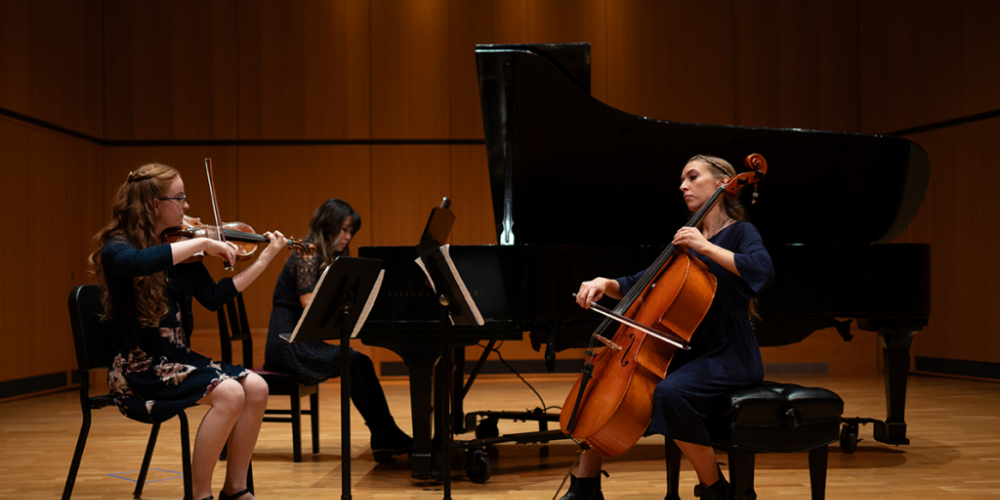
(181, 199)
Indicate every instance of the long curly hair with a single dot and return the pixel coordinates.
(133, 219)
(733, 207)
(324, 228)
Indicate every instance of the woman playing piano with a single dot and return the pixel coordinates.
(333, 225)
(724, 354)
(147, 294)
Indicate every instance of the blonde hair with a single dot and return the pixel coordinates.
(734, 209)
(133, 219)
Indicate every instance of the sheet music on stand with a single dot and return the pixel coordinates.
(457, 308)
(341, 301)
(465, 312)
(312, 325)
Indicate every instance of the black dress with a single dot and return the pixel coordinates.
(313, 361)
(154, 374)
(724, 354)
(318, 361)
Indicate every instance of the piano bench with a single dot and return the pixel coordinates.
(770, 418)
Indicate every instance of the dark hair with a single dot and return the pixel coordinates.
(324, 228)
(731, 204)
(134, 220)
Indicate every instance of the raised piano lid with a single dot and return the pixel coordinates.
(566, 168)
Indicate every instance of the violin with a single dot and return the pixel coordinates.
(611, 404)
(239, 235)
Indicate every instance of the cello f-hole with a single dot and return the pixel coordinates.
(624, 360)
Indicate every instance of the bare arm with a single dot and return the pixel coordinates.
(248, 275)
(305, 298)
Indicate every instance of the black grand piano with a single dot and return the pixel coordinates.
(827, 209)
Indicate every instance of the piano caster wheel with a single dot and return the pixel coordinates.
(849, 438)
(477, 466)
(487, 428)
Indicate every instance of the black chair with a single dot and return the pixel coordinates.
(93, 351)
(233, 325)
(770, 418)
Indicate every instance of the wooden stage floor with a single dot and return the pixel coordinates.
(954, 430)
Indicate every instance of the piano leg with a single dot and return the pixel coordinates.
(896, 355)
(421, 378)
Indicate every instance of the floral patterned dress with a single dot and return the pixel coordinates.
(154, 374)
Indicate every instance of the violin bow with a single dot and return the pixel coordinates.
(215, 208)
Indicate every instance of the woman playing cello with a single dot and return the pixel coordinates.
(724, 354)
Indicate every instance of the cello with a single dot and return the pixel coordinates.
(611, 404)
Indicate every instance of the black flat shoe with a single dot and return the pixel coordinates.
(234, 496)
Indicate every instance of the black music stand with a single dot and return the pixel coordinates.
(457, 308)
(341, 301)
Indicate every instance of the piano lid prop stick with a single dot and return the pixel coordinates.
(675, 341)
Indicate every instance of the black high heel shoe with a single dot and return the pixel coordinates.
(384, 448)
(717, 491)
(585, 488)
(234, 496)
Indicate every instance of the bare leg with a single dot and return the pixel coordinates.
(243, 438)
(226, 401)
(703, 459)
(590, 465)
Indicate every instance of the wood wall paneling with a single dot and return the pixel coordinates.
(956, 218)
(797, 65)
(410, 94)
(407, 182)
(567, 21)
(471, 24)
(50, 62)
(46, 183)
(671, 60)
(280, 187)
(171, 70)
(305, 70)
(472, 201)
(923, 62)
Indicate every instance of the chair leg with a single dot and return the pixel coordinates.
(296, 429)
(74, 466)
(146, 459)
(673, 461)
(817, 471)
(314, 414)
(741, 466)
(186, 456)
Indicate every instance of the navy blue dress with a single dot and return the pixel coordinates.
(154, 374)
(724, 354)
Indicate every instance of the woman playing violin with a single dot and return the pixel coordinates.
(331, 229)
(154, 374)
(724, 354)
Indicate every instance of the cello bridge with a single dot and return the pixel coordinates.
(608, 342)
